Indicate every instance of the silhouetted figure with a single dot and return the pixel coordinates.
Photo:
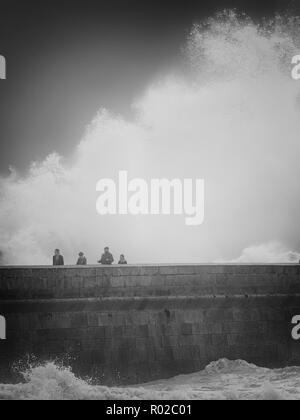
(82, 259)
(122, 260)
(107, 258)
(58, 259)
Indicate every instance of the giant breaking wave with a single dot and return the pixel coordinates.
(231, 117)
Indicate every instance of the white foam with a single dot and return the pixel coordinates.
(224, 379)
(233, 121)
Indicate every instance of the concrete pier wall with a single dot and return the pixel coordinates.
(130, 324)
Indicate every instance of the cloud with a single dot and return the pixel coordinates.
(232, 118)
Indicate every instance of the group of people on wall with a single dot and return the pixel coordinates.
(106, 258)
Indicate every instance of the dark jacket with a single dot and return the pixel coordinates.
(107, 259)
(58, 260)
(82, 261)
(122, 262)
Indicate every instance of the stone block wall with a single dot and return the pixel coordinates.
(126, 325)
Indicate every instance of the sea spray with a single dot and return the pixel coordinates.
(223, 379)
(232, 119)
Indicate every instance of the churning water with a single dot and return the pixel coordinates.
(222, 380)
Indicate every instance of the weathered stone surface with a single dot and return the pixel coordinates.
(137, 323)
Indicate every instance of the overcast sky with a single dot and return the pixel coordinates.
(67, 59)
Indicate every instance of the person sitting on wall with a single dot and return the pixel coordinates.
(122, 260)
(82, 259)
(58, 259)
(107, 258)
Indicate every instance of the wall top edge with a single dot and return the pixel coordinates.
(75, 267)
